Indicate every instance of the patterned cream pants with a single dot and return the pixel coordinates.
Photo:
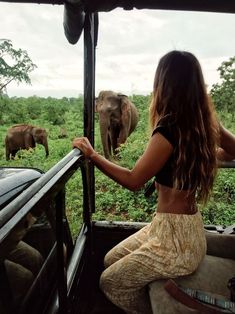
(171, 245)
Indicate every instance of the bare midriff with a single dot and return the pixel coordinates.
(175, 201)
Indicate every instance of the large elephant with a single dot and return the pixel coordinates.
(118, 117)
(24, 136)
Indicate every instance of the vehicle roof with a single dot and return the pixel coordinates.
(194, 5)
(108, 5)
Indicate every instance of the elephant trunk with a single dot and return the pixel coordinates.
(104, 133)
(45, 144)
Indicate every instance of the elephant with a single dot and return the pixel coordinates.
(24, 136)
(118, 117)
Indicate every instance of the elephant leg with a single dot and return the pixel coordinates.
(13, 153)
(7, 153)
(7, 148)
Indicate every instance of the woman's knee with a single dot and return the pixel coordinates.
(104, 281)
(122, 293)
(108, 260)
(110, 279)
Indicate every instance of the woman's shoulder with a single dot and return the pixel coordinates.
(166, 128)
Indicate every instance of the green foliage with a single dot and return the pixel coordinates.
(220, 209)
(223, 94)
(112, 201)
(55, 114)
(74, 202)
(18, 113)
(3, 107)
(15, 64)
(33, 105)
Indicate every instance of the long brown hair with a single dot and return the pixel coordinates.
(180, 96)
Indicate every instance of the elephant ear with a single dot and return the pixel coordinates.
(125, 111)
(39, 131)
(29, 140)
(125, 104)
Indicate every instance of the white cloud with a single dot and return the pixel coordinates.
(130, 44)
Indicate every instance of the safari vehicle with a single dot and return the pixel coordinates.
(68, 280)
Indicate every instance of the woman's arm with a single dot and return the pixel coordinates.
(226, 151)
(156, 154)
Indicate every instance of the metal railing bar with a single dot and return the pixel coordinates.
(223, 6)
(227, 164)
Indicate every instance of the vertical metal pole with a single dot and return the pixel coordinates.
(61, 269)
(89, 97)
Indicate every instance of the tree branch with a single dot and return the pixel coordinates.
(4, 85)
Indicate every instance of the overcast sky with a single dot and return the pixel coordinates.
(129, 47)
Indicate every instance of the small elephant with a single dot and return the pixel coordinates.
(118, 118)
(24, 136)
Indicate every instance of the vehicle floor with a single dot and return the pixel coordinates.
(103, 306)
(100, 303)
(103, 240)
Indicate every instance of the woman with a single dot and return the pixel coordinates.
(181, 154)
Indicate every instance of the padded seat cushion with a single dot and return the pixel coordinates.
(212, 275)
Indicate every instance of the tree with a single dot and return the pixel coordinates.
(223, 94)
(15, 65)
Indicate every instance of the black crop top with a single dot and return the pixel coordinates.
(165, 175)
